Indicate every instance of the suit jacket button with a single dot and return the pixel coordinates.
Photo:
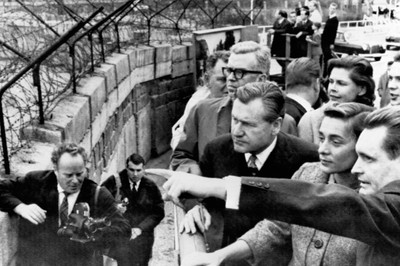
(252, 182)
(259, 184)
(266, 186)
(318, 244)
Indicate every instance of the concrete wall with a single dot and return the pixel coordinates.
(128, 105)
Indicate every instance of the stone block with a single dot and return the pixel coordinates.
(144, 56)
(163, 69)
(86, 142)
(8, 238)
(108, 72)
(98, 126)
(95, 88)
(72, 115)
(181, 68)
(163, 53)
(142, 101)
(179, 53)
(121, 62)
(190, 50)
(162, 137)
(112, 103)
(164, 86)
(131, 52)
(144, 131)
(124, 89)
(43, 133)
(129, 133)
(142, 74)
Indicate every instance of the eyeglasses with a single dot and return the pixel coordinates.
(238, 73)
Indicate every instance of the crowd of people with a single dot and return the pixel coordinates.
(322, 192)
(302, 175)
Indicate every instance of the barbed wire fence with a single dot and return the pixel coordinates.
(28, 27)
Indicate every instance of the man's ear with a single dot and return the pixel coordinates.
(276, 126)
(262, 78)
(206, 78)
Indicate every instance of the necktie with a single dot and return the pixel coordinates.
(252, 165)
(64, 210)
(134, 191)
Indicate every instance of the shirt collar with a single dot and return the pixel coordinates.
(262, 156)
(61, 190)
(137, 184)
(225, 102)
(306, 105)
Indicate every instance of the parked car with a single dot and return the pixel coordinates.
(358, 43)
(393, 41)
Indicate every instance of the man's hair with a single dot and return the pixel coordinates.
(135, 159)
(270, 95)
(71, 148)
(353, 113)
(262, 53)
(213, 59)
(282, 13)
(388, 117)
(302, 71)
(361, 73)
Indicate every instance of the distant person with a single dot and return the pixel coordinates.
(350, 80)
(214, 87)
(315, 42)
(142, 205)
(394, 81)
(383, 89)
(280, 27)
(328, 36)
(315, 13)
(302, 86)
(302, 28)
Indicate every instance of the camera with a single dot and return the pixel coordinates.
(81, 227)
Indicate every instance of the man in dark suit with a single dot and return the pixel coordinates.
(280, 27)
(46, 198)
(328, 36)
(254, 147)
(302, 86)
(144, 210)
(302, 29)
(370, 216)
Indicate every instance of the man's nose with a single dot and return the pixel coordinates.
(356, 169)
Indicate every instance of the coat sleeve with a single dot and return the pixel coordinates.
(270, 243)
(119, 228)
(17, 190)
(305, 128)
(186, 152)
(156, 210)
(372, 219)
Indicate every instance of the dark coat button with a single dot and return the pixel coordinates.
(318, 244)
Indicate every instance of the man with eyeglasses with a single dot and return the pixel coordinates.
(210, 118)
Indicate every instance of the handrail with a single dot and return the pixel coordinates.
(34, 65)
